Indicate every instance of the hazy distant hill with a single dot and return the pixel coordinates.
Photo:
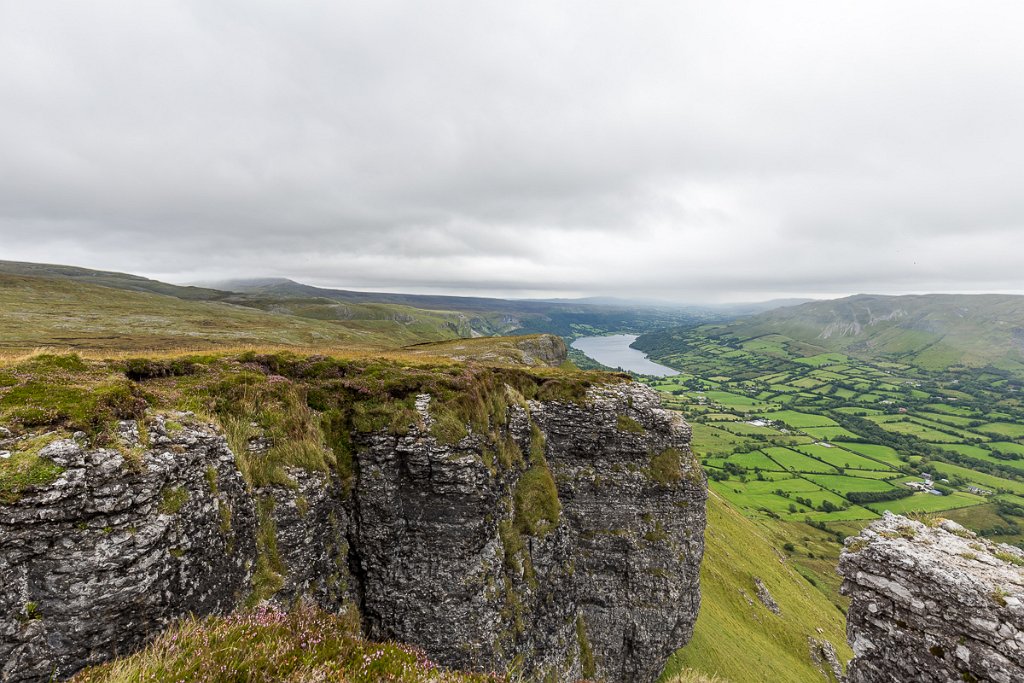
(45, 304)
(497, 316)
(933, 331)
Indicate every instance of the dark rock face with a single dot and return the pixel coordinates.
(111, 553)
(933, 604)
(429, 542)
(637, 532)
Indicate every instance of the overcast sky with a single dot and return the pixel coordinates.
(698, 151)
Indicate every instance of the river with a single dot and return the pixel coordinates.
(614, 351)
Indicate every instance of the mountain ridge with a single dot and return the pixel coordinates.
(933, 331)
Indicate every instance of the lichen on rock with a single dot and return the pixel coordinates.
(538, 537)
(933, 602)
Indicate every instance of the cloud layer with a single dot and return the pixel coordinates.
(693, 151)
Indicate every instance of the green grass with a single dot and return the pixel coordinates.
(822, 359)
(1008, 429)
(797, 462)
(666, 467)
(747, 643)
(38, 312)
(537, 508)
(1008, 447)
(24, 471)
(735, 401)
(755, 460)
(875, 451)
(839, 457)
(828, 433)
(744, 429)
(624, 423)
(904, 425)
(268, 645)
(799, 420)
(967, 449)
(983, 480)
(926, 502)
(847, 484)
(951, 410)
(710, 441)
(954, 420)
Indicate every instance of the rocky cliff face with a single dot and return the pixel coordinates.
(114, 549)
(933, 604)
(564, 543)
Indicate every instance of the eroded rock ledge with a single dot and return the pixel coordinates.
(933, 603)
(433, 542)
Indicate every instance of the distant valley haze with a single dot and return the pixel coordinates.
(683, 152)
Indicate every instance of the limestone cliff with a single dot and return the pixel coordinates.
(933, 603)
(564, 541)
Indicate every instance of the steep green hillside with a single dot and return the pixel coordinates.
(933, 331)
(737, 637)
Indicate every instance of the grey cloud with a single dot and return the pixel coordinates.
(687, 150)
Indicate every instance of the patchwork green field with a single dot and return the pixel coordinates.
(790, 433)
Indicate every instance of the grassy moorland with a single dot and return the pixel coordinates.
(94, 309)
(36, 312)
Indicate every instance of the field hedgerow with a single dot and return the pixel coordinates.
(267, 644)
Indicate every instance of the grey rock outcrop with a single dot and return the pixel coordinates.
(637, 532)
(424, 539)
(113, 551)
(933, 604)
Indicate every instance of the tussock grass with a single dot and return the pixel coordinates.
(691, 676)
(266, 645)
(25, 470)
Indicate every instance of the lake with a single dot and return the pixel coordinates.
(614, 351)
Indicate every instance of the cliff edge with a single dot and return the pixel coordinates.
(932, 603)
(550, 524)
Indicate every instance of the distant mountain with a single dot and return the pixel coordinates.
(933, 331)
(753, 307)
(720, 310)
(284, 286)
(497, 316)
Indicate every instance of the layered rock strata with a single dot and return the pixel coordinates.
(434, 542)
(933, 603)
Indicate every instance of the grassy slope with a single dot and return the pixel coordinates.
(267, 645)
(744, 642)
(933, 331)
(37, 311)
(408, 323)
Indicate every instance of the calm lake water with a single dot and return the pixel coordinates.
(614, 352)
